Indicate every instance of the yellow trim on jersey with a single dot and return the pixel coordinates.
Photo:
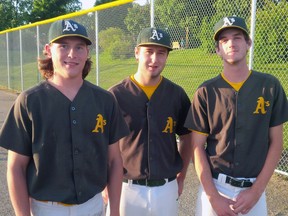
(205, 134)
(149, 90)
(238, 85)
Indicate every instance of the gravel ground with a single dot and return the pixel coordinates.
(277, 190)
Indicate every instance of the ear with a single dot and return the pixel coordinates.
(249, 43)
(47, 50)
(218, 51)
(136, 53)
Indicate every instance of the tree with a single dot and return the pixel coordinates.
(113, 17)
(45, 9)
(6, 11)
(272, 36)
(99, 2)
(116, 43)
(137, 18)
(15, 13)
(179, 16)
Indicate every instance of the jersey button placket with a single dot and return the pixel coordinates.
(76, 150)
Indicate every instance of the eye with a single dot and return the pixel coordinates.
(162, 53)
(63, 46)
(223, 40)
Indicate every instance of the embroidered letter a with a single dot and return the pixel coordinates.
(100, 123)
(261, 104)
(169, 125)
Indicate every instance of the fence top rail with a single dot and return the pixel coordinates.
(74, 14)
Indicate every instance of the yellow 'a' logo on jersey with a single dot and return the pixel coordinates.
(100, 123)
(261, 104)
(169, 126)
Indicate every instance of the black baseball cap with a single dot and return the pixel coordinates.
(230, 22)
(154, 36)
(67, 28)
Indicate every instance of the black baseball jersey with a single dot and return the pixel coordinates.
(237, 123)
(150, 151)
(67, 141)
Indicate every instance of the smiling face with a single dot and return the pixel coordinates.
(69, 55)
(233, 46)
(151, 62)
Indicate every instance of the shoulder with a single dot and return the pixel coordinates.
(123, 84)
(34, 92)
(265, 79)
(263, 76)
(96, 90)
(168, 84)
(213, 81)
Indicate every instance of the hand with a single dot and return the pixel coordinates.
(105, 196)
(223, 206)
(180, 181)
(245, 201)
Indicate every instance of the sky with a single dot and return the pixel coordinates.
(89, 3)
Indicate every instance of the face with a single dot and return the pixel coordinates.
(69, 55)
(232, 46)
(151, 60)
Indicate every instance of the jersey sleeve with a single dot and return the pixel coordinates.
(118, 126)
(185, 105)
(197, 117)
(16, 133)
(280, 106)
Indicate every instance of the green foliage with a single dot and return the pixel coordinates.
(99, 2)
(15, 13)
(138, 17)
(115, 42)
(206, 36)
(229, 8)
(113, 17)
(272, 37)
(45, 9)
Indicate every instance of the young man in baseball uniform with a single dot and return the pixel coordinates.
(62, 135)
(155, 110)
(237, 122)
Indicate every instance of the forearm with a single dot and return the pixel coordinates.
(203, 171)
(18, 191)
(185, 150)
(272, 159)
(114, 187)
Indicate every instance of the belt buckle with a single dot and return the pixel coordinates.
(236, 182)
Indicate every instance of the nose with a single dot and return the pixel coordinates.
(230, 42)
(154, 57)
(71, 53)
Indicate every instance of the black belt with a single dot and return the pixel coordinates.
(234, 181)
(150, 182)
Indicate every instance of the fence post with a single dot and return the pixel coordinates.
(152, 15)
(97, 47)
(8, 62)
(252, 32)
(21, 60)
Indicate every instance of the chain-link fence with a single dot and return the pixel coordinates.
(190, 24)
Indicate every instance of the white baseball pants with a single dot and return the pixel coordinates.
(93, 207)
(204, 208)
(138, 200)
